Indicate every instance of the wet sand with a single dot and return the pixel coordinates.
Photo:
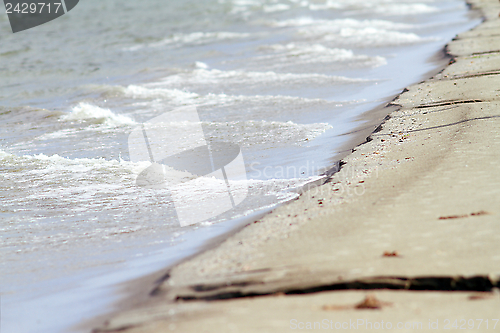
(412, 220)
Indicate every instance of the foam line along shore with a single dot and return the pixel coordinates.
(413, 217)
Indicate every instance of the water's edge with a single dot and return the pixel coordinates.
(136, 292)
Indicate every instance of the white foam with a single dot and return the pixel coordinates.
(4, 154)
(194, 38)
(82, 179)
(388, 8)
(200, 37)
(327, 5)
(355, 33)
(203, 77)
(371, 37)
(246, 2)
(52, 170)
(178, 97)
(85, 111)
(222, 99)
(315, 53)
(56, 135)
(404, 9)
(59, 163)
(199, 64)
(337, 25)
(173, 95)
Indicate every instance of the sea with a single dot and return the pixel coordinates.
(287, 85)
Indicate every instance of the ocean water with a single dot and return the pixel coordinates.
(286, 81)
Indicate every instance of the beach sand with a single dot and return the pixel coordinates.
(411, 221)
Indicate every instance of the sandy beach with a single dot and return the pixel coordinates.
(407, 232)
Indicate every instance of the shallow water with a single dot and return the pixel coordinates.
(282, 80)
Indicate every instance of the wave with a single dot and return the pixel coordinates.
(55, 162)
(367, 37)
(77, 181)
(194, 38)
(403, 9)
(86, 111)
(173, 95)
(251, 132)
(293, 54)
(203, 77)
(179, 97)
(149, 101)
(341, 23)
(387, 9)
(353, 33)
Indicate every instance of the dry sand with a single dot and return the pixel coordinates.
(416, 209)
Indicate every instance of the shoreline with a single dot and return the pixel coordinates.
(132, 291)
(273, 257)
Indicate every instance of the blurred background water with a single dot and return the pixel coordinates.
(286, 80)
